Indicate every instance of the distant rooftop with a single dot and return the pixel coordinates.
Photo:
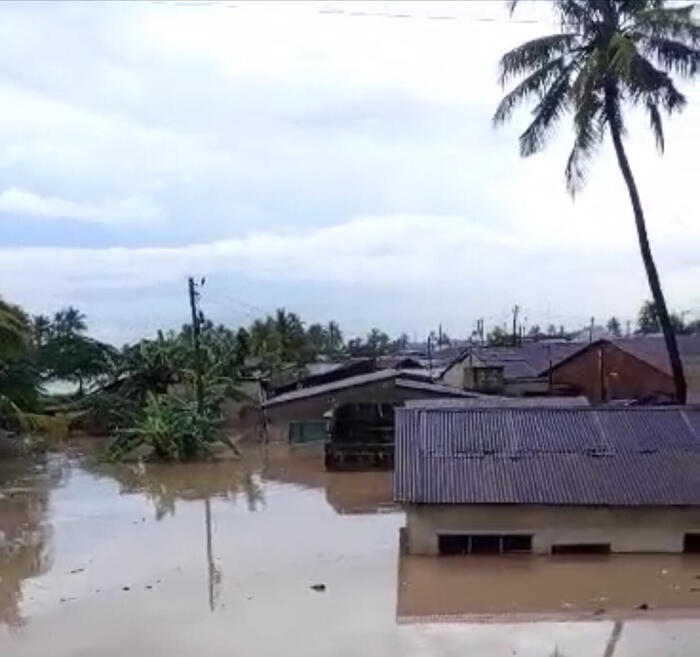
(531, 359)
(496, 401)
(403, 379)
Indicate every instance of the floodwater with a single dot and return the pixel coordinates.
(222, 559)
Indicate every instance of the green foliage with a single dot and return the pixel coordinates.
(648, 321)
(15, 331)
(498, 337)
(18, 375)
(65, 353)
(614, 327)
(173, 428)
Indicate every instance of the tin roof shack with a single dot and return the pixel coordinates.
(549, 480)
(632, 368)
(316, 374)
(361, 437)
(313, 404)
(514, 371)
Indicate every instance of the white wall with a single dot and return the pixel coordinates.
(655, 529)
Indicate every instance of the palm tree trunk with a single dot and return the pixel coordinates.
(652, 274)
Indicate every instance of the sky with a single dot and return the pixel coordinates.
(337, 159)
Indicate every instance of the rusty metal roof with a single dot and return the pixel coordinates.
(553, 456)
(528, 360)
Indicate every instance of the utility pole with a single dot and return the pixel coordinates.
(590, 330)
(440, 335)
(516, 310)
(628, 328)
(198, 388)
(430, 359)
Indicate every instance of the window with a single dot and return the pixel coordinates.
(581, 548)
(691, 543)
(453, 544)
(517, 543)
(483, 543)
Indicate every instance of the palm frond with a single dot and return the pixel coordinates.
(645, 81)
(574, 13)
(672, 55)
(549, 110)
(535, 84)
(587, 124)
(669, 23)
(621, 53)
(656, 124)
(535, 54)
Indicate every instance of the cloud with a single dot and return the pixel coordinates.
(340, 165)
(397, 270)
(129, 210)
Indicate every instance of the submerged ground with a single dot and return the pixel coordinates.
(273, 556)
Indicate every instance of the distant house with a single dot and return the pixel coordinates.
(316, 374)
(284, 412)
(630, 368)
(549, 480)
(519, 370)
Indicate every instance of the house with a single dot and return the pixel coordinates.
(549, 480)
(518, 370)
(630, 368)
(284, 412)
(316, 374)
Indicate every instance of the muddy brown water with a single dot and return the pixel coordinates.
(220, 559)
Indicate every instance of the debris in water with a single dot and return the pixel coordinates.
(77, 570)
(599, 611)
(664, 571)
(319, 588)
(126, 588)
(695, 589)
(643, 607)
(149, 586)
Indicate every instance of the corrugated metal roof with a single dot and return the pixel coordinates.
(439, 389)
(348, 382)
(651, 350)
(481, 401)
(403, 380)
(576, 456)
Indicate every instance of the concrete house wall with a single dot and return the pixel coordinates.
(640, 529)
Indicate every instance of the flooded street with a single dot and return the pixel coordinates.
(272, 556)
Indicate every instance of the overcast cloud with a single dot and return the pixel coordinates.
(328, 158)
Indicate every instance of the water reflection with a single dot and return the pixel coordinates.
(25, 534)
(165, 484)
(537, 588)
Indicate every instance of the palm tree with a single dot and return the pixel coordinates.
(41, 327)
(610, 53)
(68, 321)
